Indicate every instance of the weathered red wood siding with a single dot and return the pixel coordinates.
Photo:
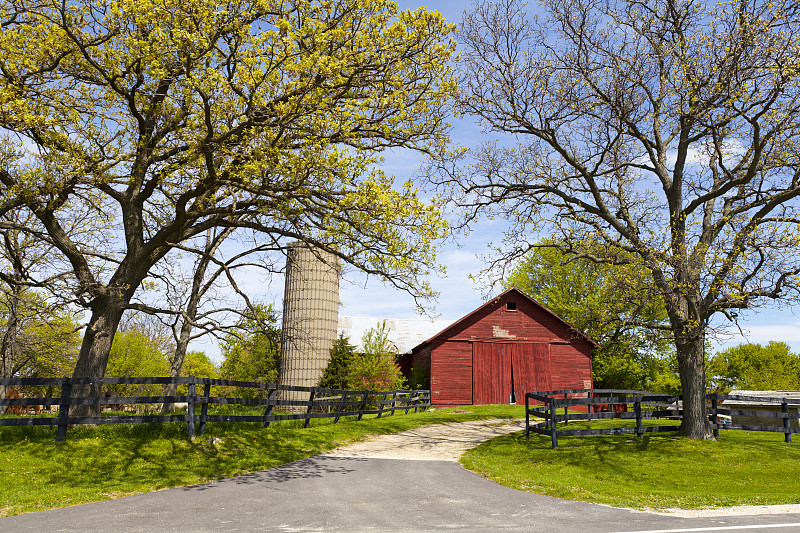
(451, 374)
(491, 373)
(569, 366)
(532, 369)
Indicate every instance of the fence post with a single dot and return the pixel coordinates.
(566, 410)
(553, 424)
(637, 408)
(340, 408)
(382, 408)
(363, 405)
(787, 437)
(63, 411)
(270, 405)
(589, 406)
(394, 402)
(714, 417)
(527, 418)
(190, 411)
(310, 404)
(204, 408)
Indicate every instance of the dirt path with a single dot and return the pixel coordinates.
(438, 442)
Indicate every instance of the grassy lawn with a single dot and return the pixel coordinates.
(659, 471)
(103, 462)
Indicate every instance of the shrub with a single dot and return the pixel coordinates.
(376, 368)
(336, 373)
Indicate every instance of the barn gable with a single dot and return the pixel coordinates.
(508, 346)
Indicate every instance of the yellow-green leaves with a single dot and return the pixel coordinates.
(210, 109)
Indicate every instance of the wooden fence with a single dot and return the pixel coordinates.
(321, 403)
(646, 405)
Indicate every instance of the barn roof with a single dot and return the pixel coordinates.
(512, 290)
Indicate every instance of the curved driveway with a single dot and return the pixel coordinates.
(373, 486)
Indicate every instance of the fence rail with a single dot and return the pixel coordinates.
(335, 404)
(646, 405)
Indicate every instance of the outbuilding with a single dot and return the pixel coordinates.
(507, 347)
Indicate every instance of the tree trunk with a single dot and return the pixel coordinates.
(212, 243)
(691, 366)
(8, 348)
(177, 365)
(95, 350)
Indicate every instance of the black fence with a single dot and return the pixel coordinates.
(614, 404)
(321, 403)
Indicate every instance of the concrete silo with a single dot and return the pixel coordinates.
(310, 317)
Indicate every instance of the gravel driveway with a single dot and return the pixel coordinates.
(438, 442)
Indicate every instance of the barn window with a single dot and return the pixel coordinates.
(511, 306)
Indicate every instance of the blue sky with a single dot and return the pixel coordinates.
(361, 296)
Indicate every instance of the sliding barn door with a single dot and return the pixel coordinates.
(531, 363)
(491, 373)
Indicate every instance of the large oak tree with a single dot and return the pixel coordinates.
(668, 130)
(166, 119)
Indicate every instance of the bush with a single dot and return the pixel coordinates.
(253, 354)
(336, 373)
(376, 368)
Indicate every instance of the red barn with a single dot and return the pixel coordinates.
(512, 343)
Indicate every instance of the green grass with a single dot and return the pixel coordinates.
(103, 462)
(657, 472)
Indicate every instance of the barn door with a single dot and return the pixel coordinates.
(491, 373)
(531, 364)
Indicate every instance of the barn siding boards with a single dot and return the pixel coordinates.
(472, 361)
(491, 373)
(532, 369)
(451, 374)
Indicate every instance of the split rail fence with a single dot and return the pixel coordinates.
(613, 404)
(321, 402)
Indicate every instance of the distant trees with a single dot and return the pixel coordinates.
(39, 339)
(251, 351)
(134, 353)
(611, 304)
(756, 367)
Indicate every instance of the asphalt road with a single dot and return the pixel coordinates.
(359, 493)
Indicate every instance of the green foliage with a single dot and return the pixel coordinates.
(56, 341)
(376, 368)
(135, 354)
(45, 341)
(756, 367)
(607, 302)
(420, 378)
(264, 115)
(252, 354)
(336, 373)
(199, 365)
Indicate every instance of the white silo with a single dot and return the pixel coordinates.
(310, 317)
